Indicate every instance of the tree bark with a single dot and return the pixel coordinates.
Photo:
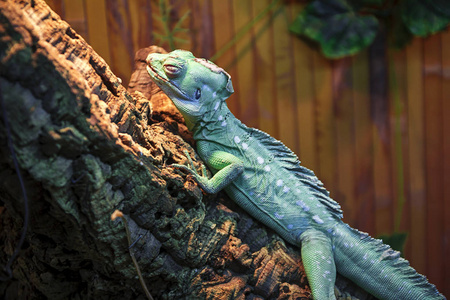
(85, 146)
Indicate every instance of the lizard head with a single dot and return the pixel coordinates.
(194, 85)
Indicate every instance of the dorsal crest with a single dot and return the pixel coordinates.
(218, 70)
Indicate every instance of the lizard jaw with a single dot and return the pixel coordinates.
(154, 72)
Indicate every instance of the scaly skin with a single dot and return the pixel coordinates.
(265, 178)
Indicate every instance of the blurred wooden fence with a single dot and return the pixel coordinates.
(370, 150)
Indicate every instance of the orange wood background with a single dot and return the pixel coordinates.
(321, 109)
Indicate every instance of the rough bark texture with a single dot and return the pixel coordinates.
(85, 147)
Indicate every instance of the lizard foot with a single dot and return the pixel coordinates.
(228, 166)
(190, 168)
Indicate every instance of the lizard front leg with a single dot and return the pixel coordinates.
(227, 165)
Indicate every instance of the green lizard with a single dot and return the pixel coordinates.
(266, 179)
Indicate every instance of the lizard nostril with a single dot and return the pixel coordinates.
(148, 60)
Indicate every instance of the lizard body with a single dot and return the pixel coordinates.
(266, 179)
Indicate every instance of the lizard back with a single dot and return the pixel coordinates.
(273, 187)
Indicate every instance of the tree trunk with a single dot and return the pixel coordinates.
(84, 147)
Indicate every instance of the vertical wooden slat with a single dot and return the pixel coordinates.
(264, 65)
(446, 157)
(399, 138)
(364, 189)
(224, 32)
(156, 24)
(190, 26)
(416, 156)
(285, 88)
(202, 29)
(57, 6)
(195, 25)
(75, 16)
(97, 28)
(242, 12)
(325, 124)
(305, 98)
(434, 155)
(207, 45)
(445, 36)
(380, 112)
(120, 38)
(382, 184)
(141, 23)
(343, 101)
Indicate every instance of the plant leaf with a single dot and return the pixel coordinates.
(374, 2)
(181, 20)
(398, 33)
(369, 2)
(425, 17)
(180, 40)
(441, 6)
(336, 26)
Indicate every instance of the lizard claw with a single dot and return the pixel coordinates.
(204, 172)
(182, 167)
(190, 168)
(191, 163)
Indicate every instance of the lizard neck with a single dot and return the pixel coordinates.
(215, 123)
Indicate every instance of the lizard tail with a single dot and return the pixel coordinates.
(377, 268)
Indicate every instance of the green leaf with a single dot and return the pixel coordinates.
(180, 40)
(374, 2)
(157, 17)
(370, 2)
(158, 35)
(441, 7)
(398, 34)
(181, 20)
(336, 26)
(425, 17)
(396, 240)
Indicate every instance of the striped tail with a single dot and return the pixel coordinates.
(377, 268)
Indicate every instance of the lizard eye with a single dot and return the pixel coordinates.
(171, 70)
(198, 94)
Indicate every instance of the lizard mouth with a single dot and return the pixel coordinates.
(154, 72)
